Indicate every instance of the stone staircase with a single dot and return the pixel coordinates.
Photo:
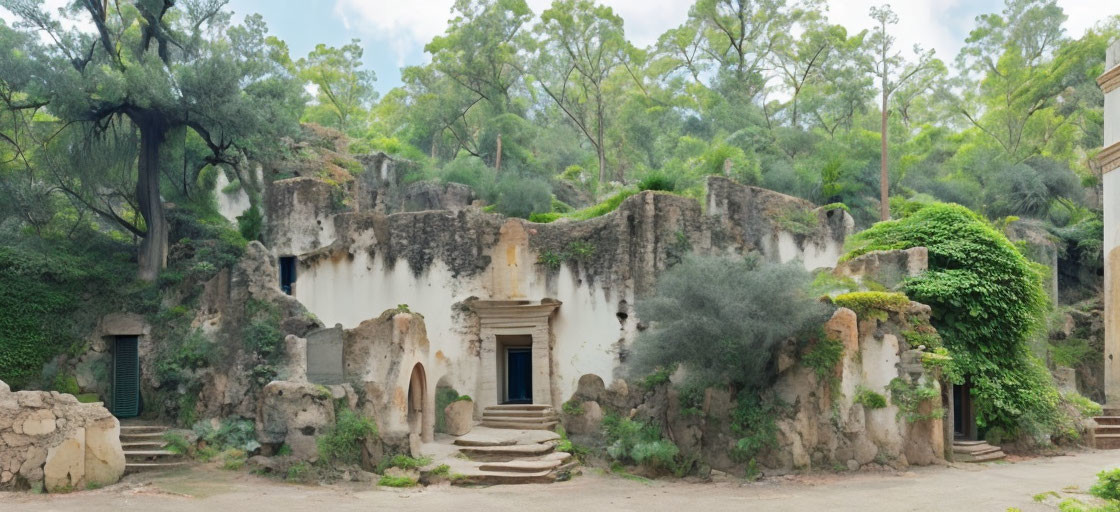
(520, 417)
(145, 449)
(975, 451)
(508, 456)
(1107, 434)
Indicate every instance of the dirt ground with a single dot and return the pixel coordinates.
(959, 488)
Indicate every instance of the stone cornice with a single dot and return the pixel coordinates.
(1109, 157)
(1110, 80)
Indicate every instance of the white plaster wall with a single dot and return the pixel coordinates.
(585, 327)
(1112, 279)
(230, 205)
(1111, 199)
(783, 247)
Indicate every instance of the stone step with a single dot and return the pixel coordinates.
(505, 477)
(1107, 429)
(149, 453)
(535, 413)
(987, 457)
(1106, 441)
(484, 442)
(500, 418)
(505, 453)
(968, 443)
(139, 445)
(521, 466)
(520, 426)
(135, 429)
(974, 449)
(518, 407)
(134, 467)
(1107, 420)
(1110, 411)
(142, 435)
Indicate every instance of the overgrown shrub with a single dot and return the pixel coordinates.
(636, 442)
(722, 318)
(522, 197)
(1107, 486)
(864, 303)
(909, 397)
(869, 399)
(231, 434)
(342, 443)
(598, 210)
(987, 302)
(657, 181)
(754, 421)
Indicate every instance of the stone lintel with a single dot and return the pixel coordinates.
(1110, 80)
(1109, 158)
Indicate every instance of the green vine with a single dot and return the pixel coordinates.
(987, 301)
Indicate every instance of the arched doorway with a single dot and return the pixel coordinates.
(421, 418)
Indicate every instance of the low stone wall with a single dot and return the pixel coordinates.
(50, 441)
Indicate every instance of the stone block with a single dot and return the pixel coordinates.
(66, 463)
(104, 458)
(587, 423)
(459, 417)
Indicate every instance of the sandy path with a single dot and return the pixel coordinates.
(963, 488)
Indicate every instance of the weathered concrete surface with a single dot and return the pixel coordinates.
(978, 487)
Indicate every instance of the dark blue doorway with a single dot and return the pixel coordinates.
(519, 373)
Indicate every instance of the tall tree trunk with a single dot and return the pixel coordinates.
(153, 249)
(600, 151)
(884, 200)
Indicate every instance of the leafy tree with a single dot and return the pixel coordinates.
(345, 90)
(893, 72)
(158, 68)
(581, 45)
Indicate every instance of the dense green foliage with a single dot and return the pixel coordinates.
(987, 302)
(754, 420)
(722, 318)
(342, 443)
(635, 442)
(45, 287)
(869, 399)
(864, 303)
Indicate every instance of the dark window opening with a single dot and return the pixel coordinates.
(287, 273)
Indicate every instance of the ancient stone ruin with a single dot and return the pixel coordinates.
(50, 441)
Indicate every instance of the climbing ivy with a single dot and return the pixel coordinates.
(46, 287)
(987, 301)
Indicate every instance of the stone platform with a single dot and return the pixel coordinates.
(500, 456)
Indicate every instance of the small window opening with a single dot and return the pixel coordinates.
(287, 273)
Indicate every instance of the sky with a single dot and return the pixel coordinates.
(394, 32)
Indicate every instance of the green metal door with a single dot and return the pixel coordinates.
(126, 377)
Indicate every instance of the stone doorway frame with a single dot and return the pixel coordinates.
(512, 318)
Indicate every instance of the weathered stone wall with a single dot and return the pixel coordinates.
(51, 441)
(434, 261)
(221, 311)
(819, 428)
